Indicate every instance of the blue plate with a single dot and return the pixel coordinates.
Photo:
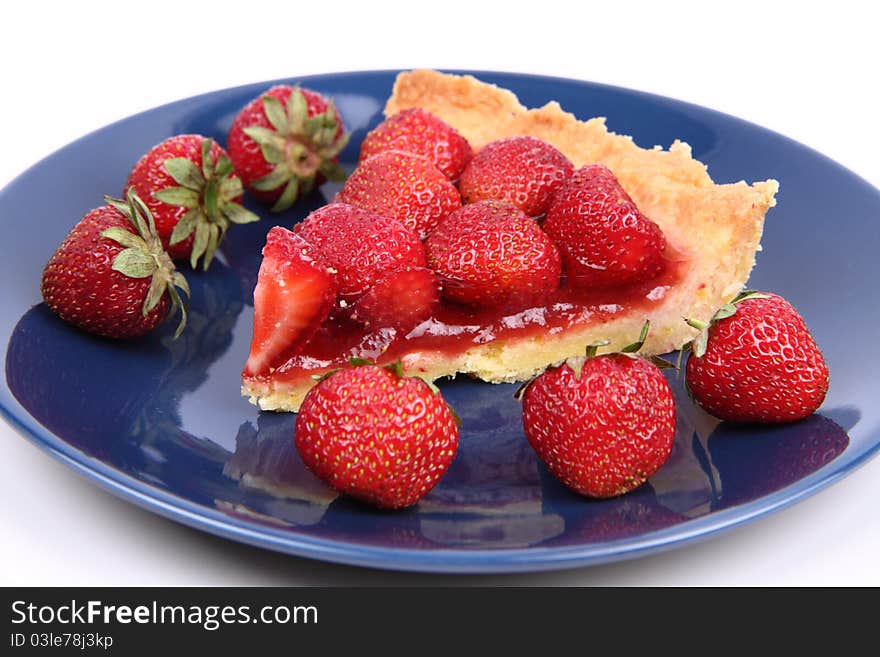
(161, 423)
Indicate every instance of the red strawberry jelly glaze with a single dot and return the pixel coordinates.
(454, 329)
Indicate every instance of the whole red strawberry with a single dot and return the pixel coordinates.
(110, 276)
(188, 184)
(524, 171)
(757, 362)
(376, 435)
(294, 295)
(285, 142)
(417, 131)
(603, 237)
(361, 246)
(492, 254)
(404, 186)
(603, 424)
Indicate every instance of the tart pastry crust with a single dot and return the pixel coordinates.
(716, 229)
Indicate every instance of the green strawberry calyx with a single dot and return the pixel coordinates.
(299, 146)
(576, 363)
(208, 194)
(699, 344)
(144, 256)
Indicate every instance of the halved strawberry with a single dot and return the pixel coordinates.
(400, 300)
(294, 295)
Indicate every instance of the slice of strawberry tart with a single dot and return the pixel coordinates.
(483, 238)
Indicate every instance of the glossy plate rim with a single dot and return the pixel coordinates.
(441, 560)
(530, 559)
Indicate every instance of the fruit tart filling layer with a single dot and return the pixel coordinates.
(496, 274)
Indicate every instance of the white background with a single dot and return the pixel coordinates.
(808, 73)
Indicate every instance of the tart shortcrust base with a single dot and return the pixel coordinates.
(717, 228)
